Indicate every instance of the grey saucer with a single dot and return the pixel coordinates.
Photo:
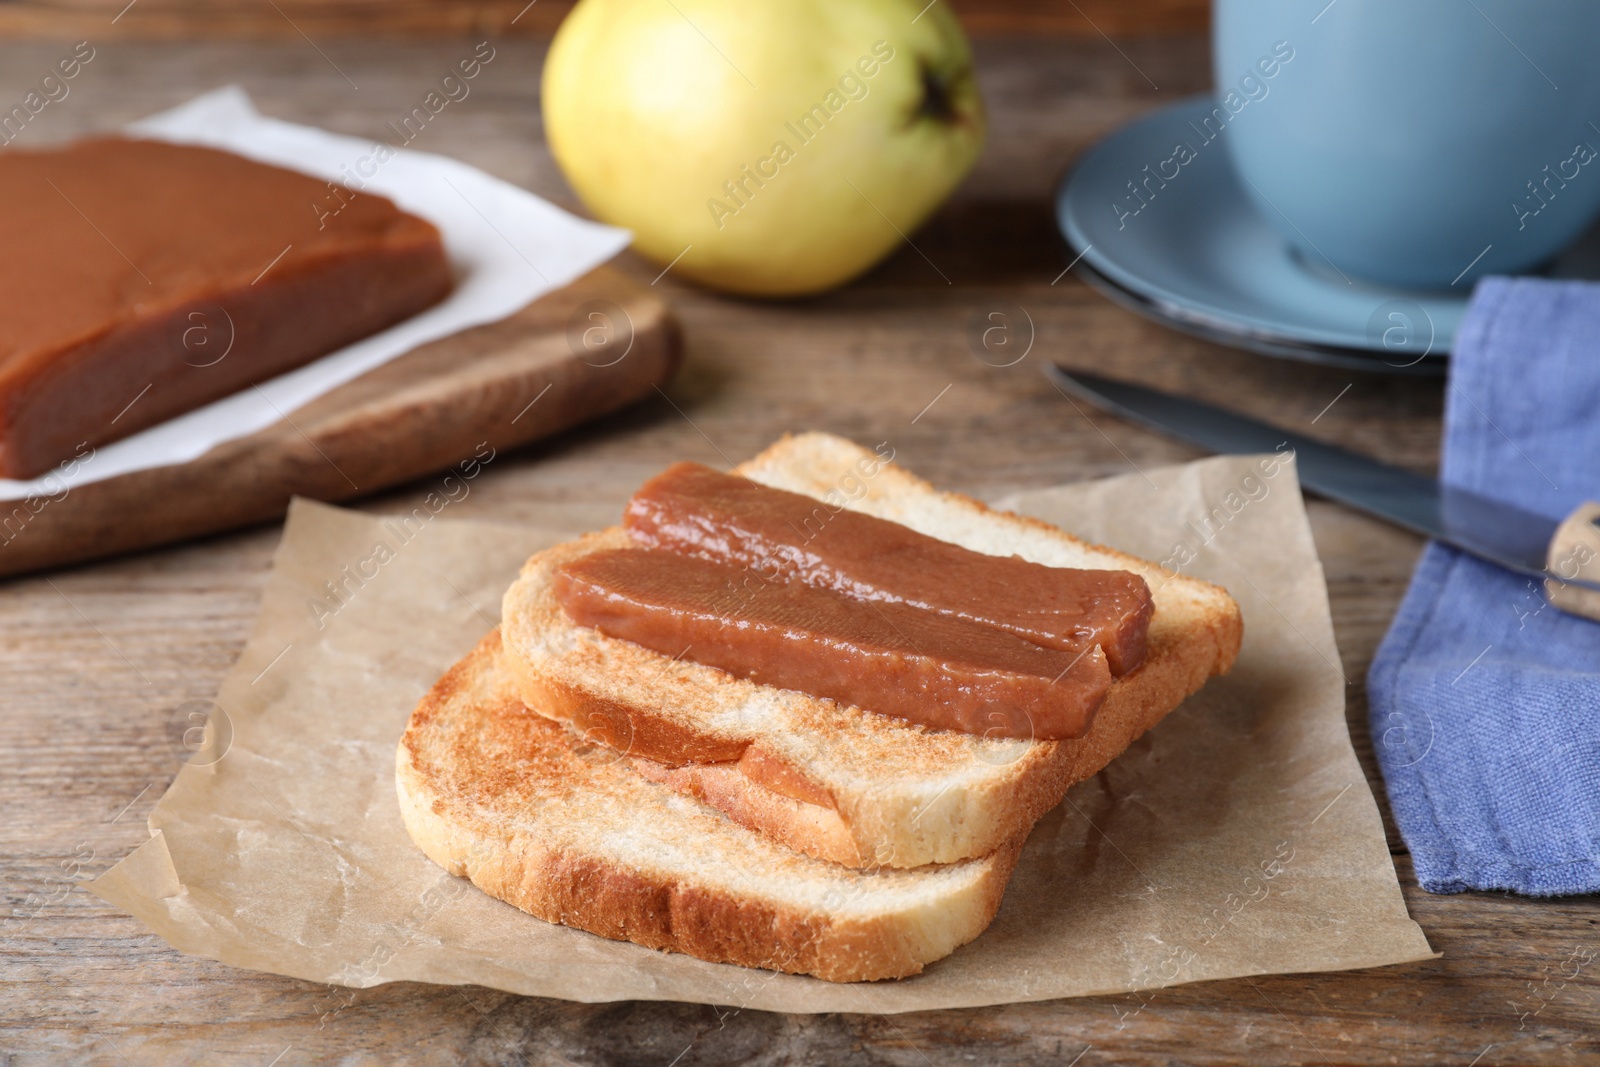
(1360, 359)
(1182, 244)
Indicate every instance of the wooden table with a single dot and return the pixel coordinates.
(98, 661)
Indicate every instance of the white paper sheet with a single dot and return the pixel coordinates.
(507, 247)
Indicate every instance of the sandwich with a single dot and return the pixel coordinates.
(729, 798)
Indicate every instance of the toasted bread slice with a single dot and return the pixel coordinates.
(829, 779)
(567, 831)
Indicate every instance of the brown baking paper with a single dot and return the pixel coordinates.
(1237, 838)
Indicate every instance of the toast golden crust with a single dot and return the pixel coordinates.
(876, 790)
(563, 830)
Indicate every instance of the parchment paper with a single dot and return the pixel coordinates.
(1237, 838)
(506, 246)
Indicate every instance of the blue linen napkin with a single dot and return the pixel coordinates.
(1485, 699)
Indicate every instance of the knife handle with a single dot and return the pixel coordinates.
(1575, 553)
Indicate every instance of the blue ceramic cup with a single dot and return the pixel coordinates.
(1420, 143)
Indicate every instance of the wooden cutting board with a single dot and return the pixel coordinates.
(572, 355)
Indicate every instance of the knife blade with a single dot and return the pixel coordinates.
(1490, 529)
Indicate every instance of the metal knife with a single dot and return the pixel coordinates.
(1564, 553)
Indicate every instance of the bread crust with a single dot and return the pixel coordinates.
(928, 798)
(533, 815)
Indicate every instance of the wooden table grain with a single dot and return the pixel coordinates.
(320, 19)
(98, 661)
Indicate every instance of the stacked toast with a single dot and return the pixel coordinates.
(600, 784)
